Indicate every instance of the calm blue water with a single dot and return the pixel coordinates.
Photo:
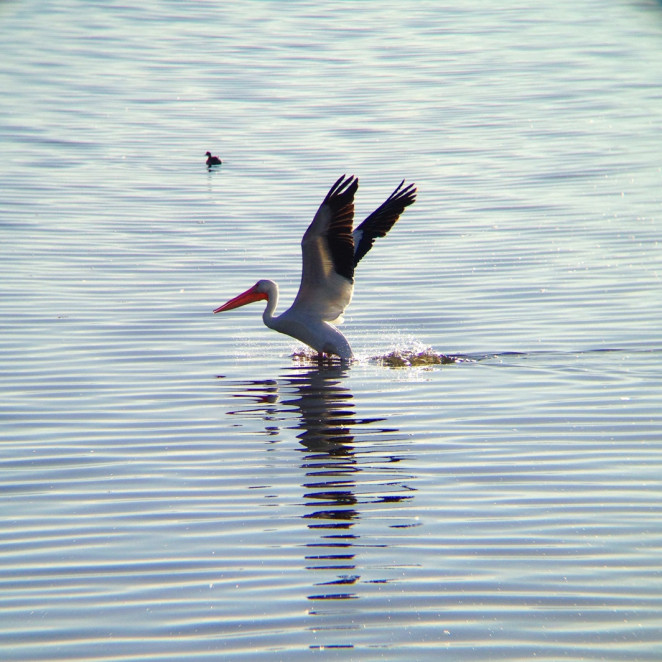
(175, 486)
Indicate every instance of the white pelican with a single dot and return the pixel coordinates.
(330, 252)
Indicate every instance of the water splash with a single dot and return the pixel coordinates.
(404, 354)
(308, 356)
(405, 358)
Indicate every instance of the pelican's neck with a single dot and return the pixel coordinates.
(271, 290)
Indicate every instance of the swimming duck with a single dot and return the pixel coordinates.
(212, 160)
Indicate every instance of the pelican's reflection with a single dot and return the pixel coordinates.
(326, 422)
(349, 468)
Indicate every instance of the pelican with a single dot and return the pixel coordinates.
(330, 251)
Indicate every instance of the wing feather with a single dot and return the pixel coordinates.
(327, 275)
(382, 219)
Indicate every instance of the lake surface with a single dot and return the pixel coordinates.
(176, 486)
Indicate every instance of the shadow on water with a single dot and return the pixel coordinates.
(350, 472)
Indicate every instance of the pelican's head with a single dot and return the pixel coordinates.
(260, 290)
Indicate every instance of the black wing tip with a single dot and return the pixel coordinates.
(340, 202)
(342, 186)
(350, 183)
(383, 218)
(407, 195)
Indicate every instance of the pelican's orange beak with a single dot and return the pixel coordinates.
(246, 297)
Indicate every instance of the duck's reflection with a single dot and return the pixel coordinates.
(348, 468)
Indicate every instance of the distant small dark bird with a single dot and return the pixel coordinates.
(212, 160)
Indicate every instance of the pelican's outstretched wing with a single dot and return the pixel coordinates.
(382, 219)
(327, 276)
